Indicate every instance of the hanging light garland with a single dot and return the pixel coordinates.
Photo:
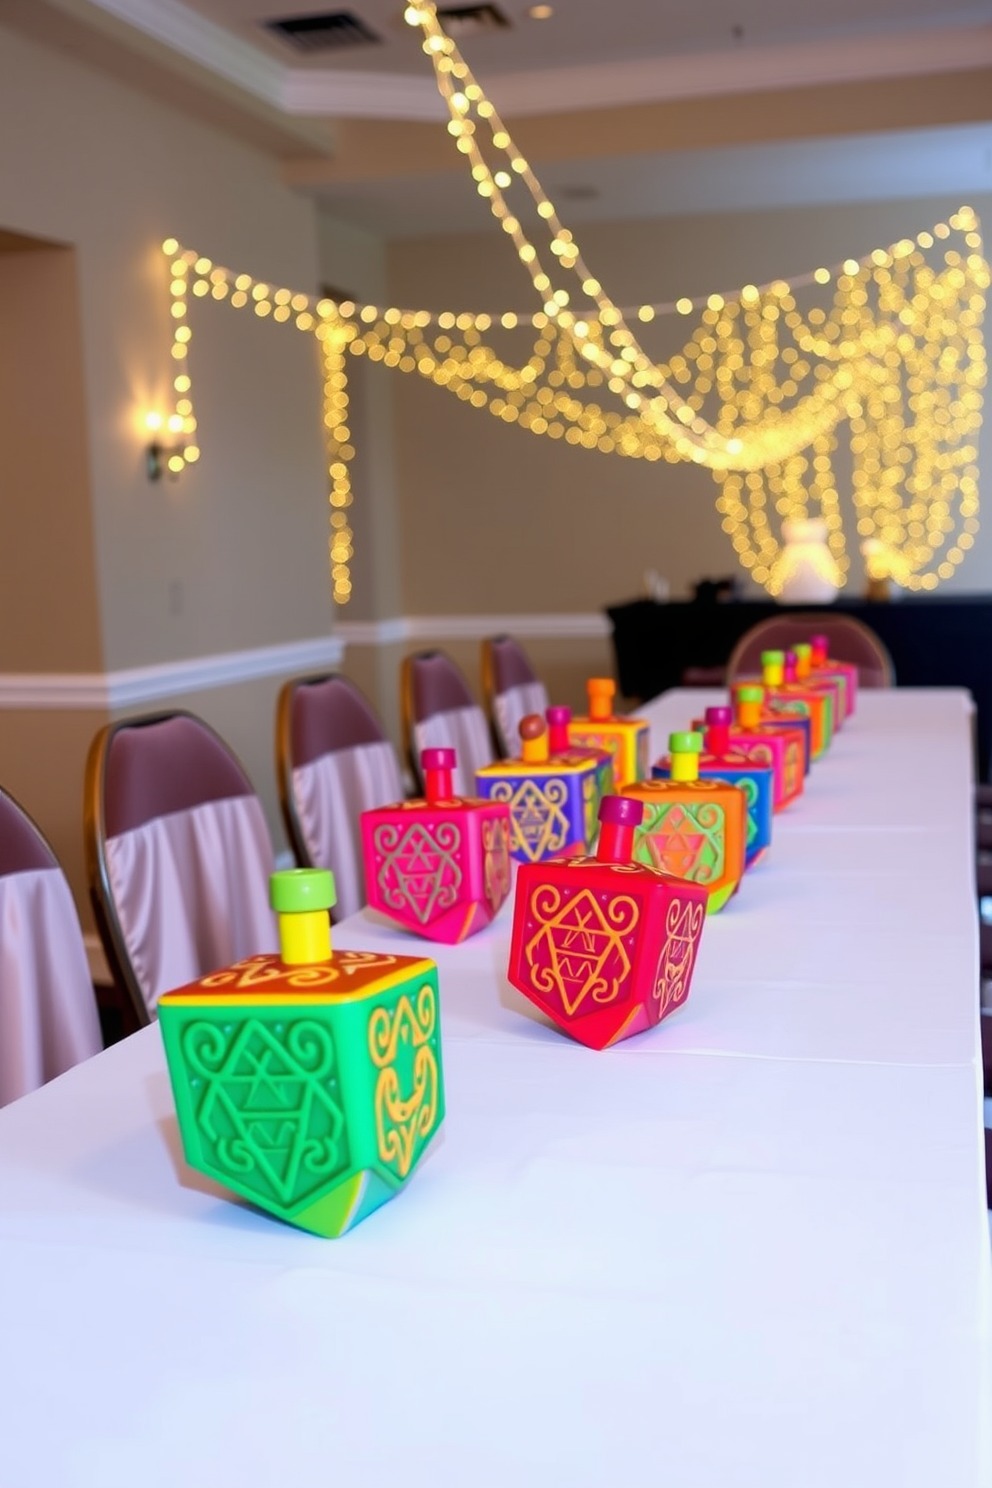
(890, 345)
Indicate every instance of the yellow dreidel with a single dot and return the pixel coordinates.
(302, 899)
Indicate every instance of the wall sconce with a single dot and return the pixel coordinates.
(160, 457)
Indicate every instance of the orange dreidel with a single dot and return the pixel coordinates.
(696, 829)
(823, 665)
(604, 946)
(626, 739)
(798, 665)
(782, 747)
(551, 798)
(791, 697)
(559, 719)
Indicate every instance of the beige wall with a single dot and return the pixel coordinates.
(231, 555)
(495, 519)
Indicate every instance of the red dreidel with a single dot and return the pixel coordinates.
(440, 865)
(551, 798)
(625, 739)
(605, 946)
(696, 829)
(791, 698)
(789, 722)
(754, 739)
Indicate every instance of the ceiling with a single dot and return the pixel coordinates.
(875, 167)
(608, 97)
(589, 54)
(596, 32)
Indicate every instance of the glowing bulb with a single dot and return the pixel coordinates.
(153, 421)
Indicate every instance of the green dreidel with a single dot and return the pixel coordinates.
(310, 1082)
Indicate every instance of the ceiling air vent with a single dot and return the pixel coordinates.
(471, 20)
(332, 32)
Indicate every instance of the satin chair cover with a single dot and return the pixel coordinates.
(48, 1013)
(512, 705)
(465, 731)
(191, 892)
(330, 794)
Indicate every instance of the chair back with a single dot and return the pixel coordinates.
(850, 640)
(439, 712)
(511, 689)
(48, 1011)
(333, 762)
(178, 854)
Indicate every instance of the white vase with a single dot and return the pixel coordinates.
(806, 570)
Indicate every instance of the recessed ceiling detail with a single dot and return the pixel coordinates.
(470, 20)
(323, 33)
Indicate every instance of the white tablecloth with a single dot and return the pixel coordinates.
(748, 1248)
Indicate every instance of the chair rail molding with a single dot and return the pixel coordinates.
(553, 627)
(132, 685)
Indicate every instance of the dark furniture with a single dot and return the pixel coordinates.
(933, 642)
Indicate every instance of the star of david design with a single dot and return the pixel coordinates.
(268, 1115)
(420, 872)
(578, 951)
(540, 826)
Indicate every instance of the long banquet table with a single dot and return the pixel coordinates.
(748, 1248)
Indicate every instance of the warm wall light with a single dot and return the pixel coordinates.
(541, 12)
(159, 456)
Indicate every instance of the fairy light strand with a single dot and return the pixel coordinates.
(889, 349)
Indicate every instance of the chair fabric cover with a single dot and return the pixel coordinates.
(190, 889)
(48, 1013)
(330, 793)
(850, 640)
(466, 732)
(511, 706)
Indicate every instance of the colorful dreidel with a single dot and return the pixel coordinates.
(625, 739)
(797, 673)
(438, 865)
(793, 698)
(821, 664)
(797, 722)
(719, 759)
(693, 828)
(605, 946)
(782, 747)
(559, 719)
(310, 1082)
(551, 798)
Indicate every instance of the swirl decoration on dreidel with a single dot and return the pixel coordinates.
(407, 1084)
(683, 925)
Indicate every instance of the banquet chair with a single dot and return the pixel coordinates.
(333, 761)
(439, 712)
(511, 689)
(178, 854)
(48, 1011)
(850, 640)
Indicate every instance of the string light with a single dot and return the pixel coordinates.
(889, 348)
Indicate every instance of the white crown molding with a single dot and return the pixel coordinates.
(327, 92)
(108, 691)
(204, 42)
(560, 627)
